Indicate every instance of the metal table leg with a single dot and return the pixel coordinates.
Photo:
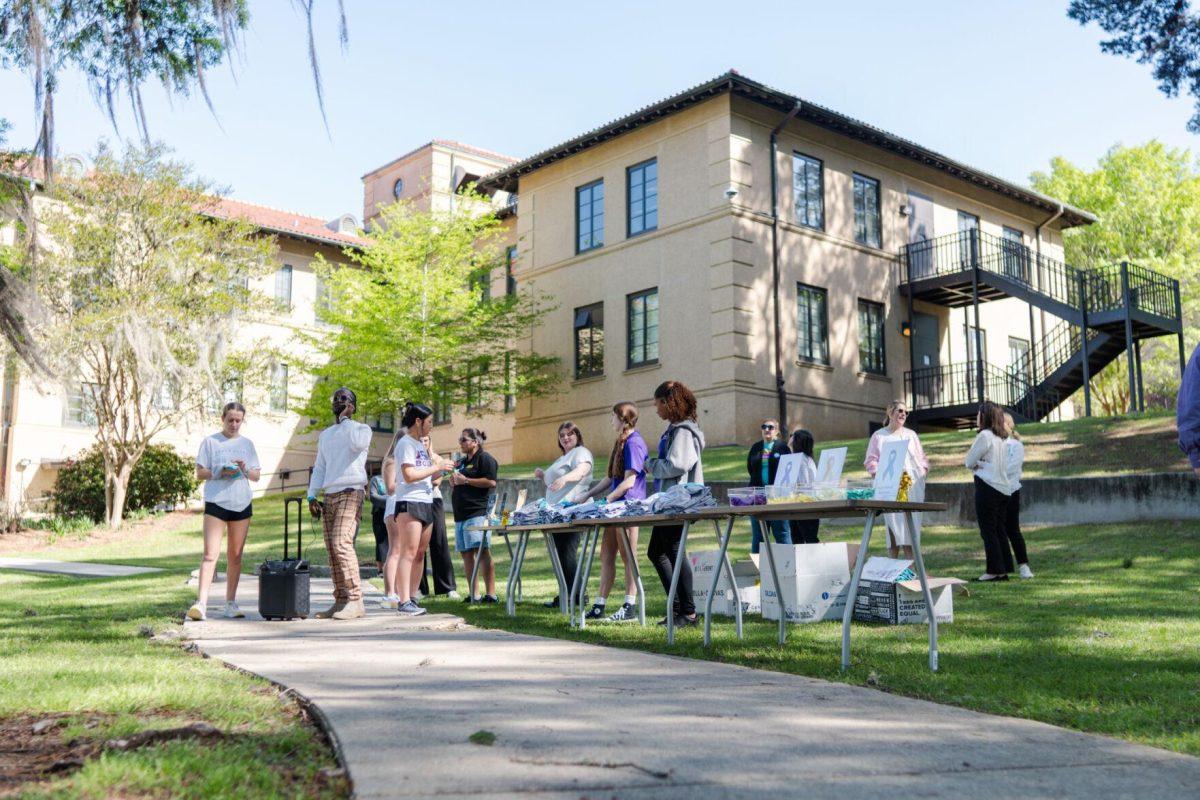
(915, 536)
(587, 571)
(769, 544)
(859, 563)
(508, 544)
(712, 589)
(680, 554)
(514, 573)
(637, 574)
(558, 572)
(485, 543)
(576, 598)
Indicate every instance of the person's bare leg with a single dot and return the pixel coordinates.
(392, 563)
(233, 555)
(608, 563)
(418, 564)
(468, 557)
(630, 583)
(213, 528)
(410, 542)
(488, 568)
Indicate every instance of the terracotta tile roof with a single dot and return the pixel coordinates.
(288, 223)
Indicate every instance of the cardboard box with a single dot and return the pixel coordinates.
(745, 573)
(890, 592)
(815, 580)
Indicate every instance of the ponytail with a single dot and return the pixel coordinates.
(413, 412)
(627, 413)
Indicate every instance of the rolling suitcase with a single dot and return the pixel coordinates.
(283, 585)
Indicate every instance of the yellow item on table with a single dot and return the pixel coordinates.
(905, 482)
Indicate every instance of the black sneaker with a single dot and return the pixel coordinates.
(662, 622)
(595, 612)
(626, 613)
(551, 603)
(490, 598)
(683, 622)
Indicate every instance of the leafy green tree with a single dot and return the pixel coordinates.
(1165, 33)
(1147, 199)
(146, 289)
(411, 319)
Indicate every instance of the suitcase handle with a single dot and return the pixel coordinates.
(287, 503)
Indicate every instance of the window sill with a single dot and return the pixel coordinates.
(643, 368)
(814, 365)
(874, 376)
(588, 379)
(588, 250)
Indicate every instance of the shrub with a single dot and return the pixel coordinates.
(162, 476)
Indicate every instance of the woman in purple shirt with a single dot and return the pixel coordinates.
(626, 480)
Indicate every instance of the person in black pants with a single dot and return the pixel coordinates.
(988, 459)
(678, 461)
(378, 493)
(804, 531)
(438, 553)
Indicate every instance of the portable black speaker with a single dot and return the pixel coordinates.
(283, 585)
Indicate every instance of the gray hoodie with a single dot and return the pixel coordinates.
(682, 444)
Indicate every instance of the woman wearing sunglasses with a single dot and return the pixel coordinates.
(915, 464)
(473, 482)
(762, 463)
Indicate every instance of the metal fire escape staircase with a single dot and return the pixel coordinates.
(1103, 313)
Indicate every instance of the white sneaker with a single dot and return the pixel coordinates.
(389, 601)
(1024, 571)
(232, 611)
(454, 595)
(197, 613)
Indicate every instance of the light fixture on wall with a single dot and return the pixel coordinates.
(906, 328)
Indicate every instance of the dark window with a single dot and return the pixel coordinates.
(808, 190)
(812, 322)
(866, 211)
(481, 284)
(966, 223)
(279, 387)
(510, 398)
(589, 341)
(381, 423)
(441, 400)
(589, 216)
(477, 385)
(642, 309)
(1016, 256)
(870, 338)
(81, 404)
(283, 286)
(642, 180)
(510, 261)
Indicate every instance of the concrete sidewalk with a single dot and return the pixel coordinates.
(581, 721)
(78, 569)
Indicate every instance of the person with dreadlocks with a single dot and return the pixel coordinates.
(340, 472)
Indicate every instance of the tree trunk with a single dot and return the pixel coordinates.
(116, 490)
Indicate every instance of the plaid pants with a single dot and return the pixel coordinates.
(342, 513)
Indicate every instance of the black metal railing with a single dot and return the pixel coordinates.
(1149, 291)
(959, 385)
(1052, 351)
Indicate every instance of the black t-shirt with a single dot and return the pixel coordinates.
(472, 501)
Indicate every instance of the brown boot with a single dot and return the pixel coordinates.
(351, 610)
(330, 612)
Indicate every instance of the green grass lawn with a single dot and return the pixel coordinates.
(1104, 639)
(1095, 446)
(74, 647)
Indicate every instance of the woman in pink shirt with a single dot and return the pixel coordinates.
(915, 464)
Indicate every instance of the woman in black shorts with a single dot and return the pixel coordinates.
(227, 462)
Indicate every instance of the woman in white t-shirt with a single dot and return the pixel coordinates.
(415, 469)
(567, 479)
(227, 462)
(988, 460)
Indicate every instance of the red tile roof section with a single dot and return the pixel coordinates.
(285, 222)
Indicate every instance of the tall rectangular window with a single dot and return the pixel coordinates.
(966, 224)
(1018, 357)
(283, 285)
(441, 399)
(167, 396)
(476, 385)
(812, 324)
(279, 387)
(867, 227)
(589, 341)
(481, 284)
(510, 397)
(976, 343)
(589, 216)
(510, 262)
(808, 190)
(384, 422)
(642, 313)
(1016, 256)
(81, 404)
(642, 180)
(871, 355)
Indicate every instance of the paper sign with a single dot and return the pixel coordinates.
(829, 468)
(792, 470)
(891, 467)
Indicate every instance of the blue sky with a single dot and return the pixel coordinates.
(1001, 86)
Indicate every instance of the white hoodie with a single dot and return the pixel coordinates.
(988, 458)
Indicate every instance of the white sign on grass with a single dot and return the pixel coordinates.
(891, 467)
(829, 468)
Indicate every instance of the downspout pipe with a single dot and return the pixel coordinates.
(780, 385)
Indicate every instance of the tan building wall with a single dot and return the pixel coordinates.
(711, 261)
(430, 175)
